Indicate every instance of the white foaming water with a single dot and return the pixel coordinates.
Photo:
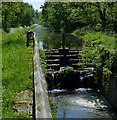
(81, 78)
(56, 91)
(53, 75)
(83, 89)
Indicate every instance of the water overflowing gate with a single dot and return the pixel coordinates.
(63, 71)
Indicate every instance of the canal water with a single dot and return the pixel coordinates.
(49, 39)
(81, 102)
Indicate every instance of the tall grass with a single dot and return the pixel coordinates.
(16, 68)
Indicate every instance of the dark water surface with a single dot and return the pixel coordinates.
(49, 39)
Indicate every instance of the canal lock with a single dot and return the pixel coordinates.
(63, 72)
(72, 88)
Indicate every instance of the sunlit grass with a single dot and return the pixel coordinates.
(16, 68)
(103, 38)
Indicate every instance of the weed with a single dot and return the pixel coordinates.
(53, 107)
(43, 60)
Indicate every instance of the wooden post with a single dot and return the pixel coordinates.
(63, 40)
(27, 39)
(63, 33)
(30, 36)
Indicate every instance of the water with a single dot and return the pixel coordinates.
(81, 103)
(81, 80)
(49, 39)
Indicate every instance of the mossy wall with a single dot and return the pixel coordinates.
(111, 92)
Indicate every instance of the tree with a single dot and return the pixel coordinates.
(9, 9)
(16, 14)
(79, 14)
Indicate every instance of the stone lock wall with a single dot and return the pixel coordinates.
(41, 102)
(111, 94)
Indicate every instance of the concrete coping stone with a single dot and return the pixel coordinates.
(41, 102)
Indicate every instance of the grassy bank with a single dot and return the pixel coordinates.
(16, 68)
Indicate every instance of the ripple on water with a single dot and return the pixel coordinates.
(81, 103)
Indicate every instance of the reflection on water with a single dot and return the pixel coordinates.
(80, 104)
(49, 39)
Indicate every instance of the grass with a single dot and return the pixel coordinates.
(80, 32)
(100, 38)
(16, 69)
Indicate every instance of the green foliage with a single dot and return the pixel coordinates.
(66, 70)
(80, 32)
(53, 107)
(55, 15)
(100, 50)
(15, 14)
(16, 69)
(100, 37)
(43, 60)
(71, 15)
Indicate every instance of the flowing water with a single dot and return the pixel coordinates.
(82, 102)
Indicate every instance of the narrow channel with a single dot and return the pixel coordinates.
(81, 102)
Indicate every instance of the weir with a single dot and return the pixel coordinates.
(60, 59)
